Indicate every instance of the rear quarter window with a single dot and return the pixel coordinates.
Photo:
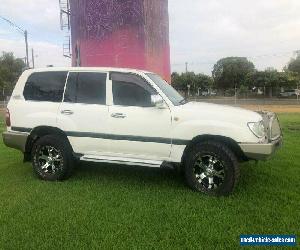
(45, 86)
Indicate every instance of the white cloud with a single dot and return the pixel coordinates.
(39, 14)
(204, 31)
(201, 32)
(41, 19)
(46, 53)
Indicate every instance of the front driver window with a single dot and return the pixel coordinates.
(131, 90)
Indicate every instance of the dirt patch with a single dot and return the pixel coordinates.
(274, 108)
(293, 127)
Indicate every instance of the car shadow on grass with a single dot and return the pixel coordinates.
(155, 177)
(127, 174)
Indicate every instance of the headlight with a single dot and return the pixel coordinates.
(257, 128)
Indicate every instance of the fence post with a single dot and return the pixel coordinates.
(235, 95)
(298, 92)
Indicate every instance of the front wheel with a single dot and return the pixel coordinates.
(52, 158)
(211, 168)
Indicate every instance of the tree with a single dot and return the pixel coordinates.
(294, 64)
(271, 80)
(204, 81)
(176, 81)
(231, 72)
(196, 81)
(10, 69)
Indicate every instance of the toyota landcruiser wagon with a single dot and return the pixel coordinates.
(132, 117)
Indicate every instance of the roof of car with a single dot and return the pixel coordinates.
(105, 69)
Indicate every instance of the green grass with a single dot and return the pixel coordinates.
(104, 206)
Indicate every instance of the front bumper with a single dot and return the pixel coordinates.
(15, 140)
(257, 151)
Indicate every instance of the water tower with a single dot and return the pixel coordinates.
(118, 33)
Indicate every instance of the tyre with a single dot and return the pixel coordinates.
(211, 168)
(52, 158)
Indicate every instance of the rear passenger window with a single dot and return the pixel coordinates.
(45, 86)
(86, 87)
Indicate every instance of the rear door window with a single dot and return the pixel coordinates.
(45, 86)
(86, 87)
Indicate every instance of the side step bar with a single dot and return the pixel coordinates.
(122, 160)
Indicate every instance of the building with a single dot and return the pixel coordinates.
(121, 33)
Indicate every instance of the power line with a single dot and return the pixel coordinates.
(13, 24)
(22, 31)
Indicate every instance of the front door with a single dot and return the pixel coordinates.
(83, 114)
(138, 128)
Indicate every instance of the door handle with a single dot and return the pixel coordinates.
(67, 112)
(118, 115)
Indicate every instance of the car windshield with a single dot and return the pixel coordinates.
(167, 89)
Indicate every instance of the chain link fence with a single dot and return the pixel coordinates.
(245, 97)
(247, 101)
(3, 104)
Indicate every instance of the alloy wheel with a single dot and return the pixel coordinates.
(209, 171)
(50, 160)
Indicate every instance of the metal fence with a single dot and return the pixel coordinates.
(248, 97)
(247, 101)
(3, 104)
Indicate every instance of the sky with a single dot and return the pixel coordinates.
(201, 32)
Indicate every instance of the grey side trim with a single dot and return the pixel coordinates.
(128, 138)
(180, 142)
(15, 140)
(119, 137)
(116, 137)
(21, 129)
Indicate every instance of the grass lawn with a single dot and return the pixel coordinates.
(105, 206)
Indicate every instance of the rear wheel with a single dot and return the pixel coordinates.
(52, 158)
(211, 168)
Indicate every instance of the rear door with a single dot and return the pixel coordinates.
(38, 103)
(83, 114)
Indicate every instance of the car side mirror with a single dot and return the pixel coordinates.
(158, 102)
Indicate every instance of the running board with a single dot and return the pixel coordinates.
(122, 160)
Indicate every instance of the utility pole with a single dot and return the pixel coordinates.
(24, 32)
(188, 85)
(26, 44)
(32, 55)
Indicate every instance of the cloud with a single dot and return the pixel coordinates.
(41, 19)
(41, 15)
(46, 53)
(201, 32)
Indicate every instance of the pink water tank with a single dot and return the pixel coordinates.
(121, 33)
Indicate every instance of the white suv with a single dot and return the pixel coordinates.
(132, 117)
